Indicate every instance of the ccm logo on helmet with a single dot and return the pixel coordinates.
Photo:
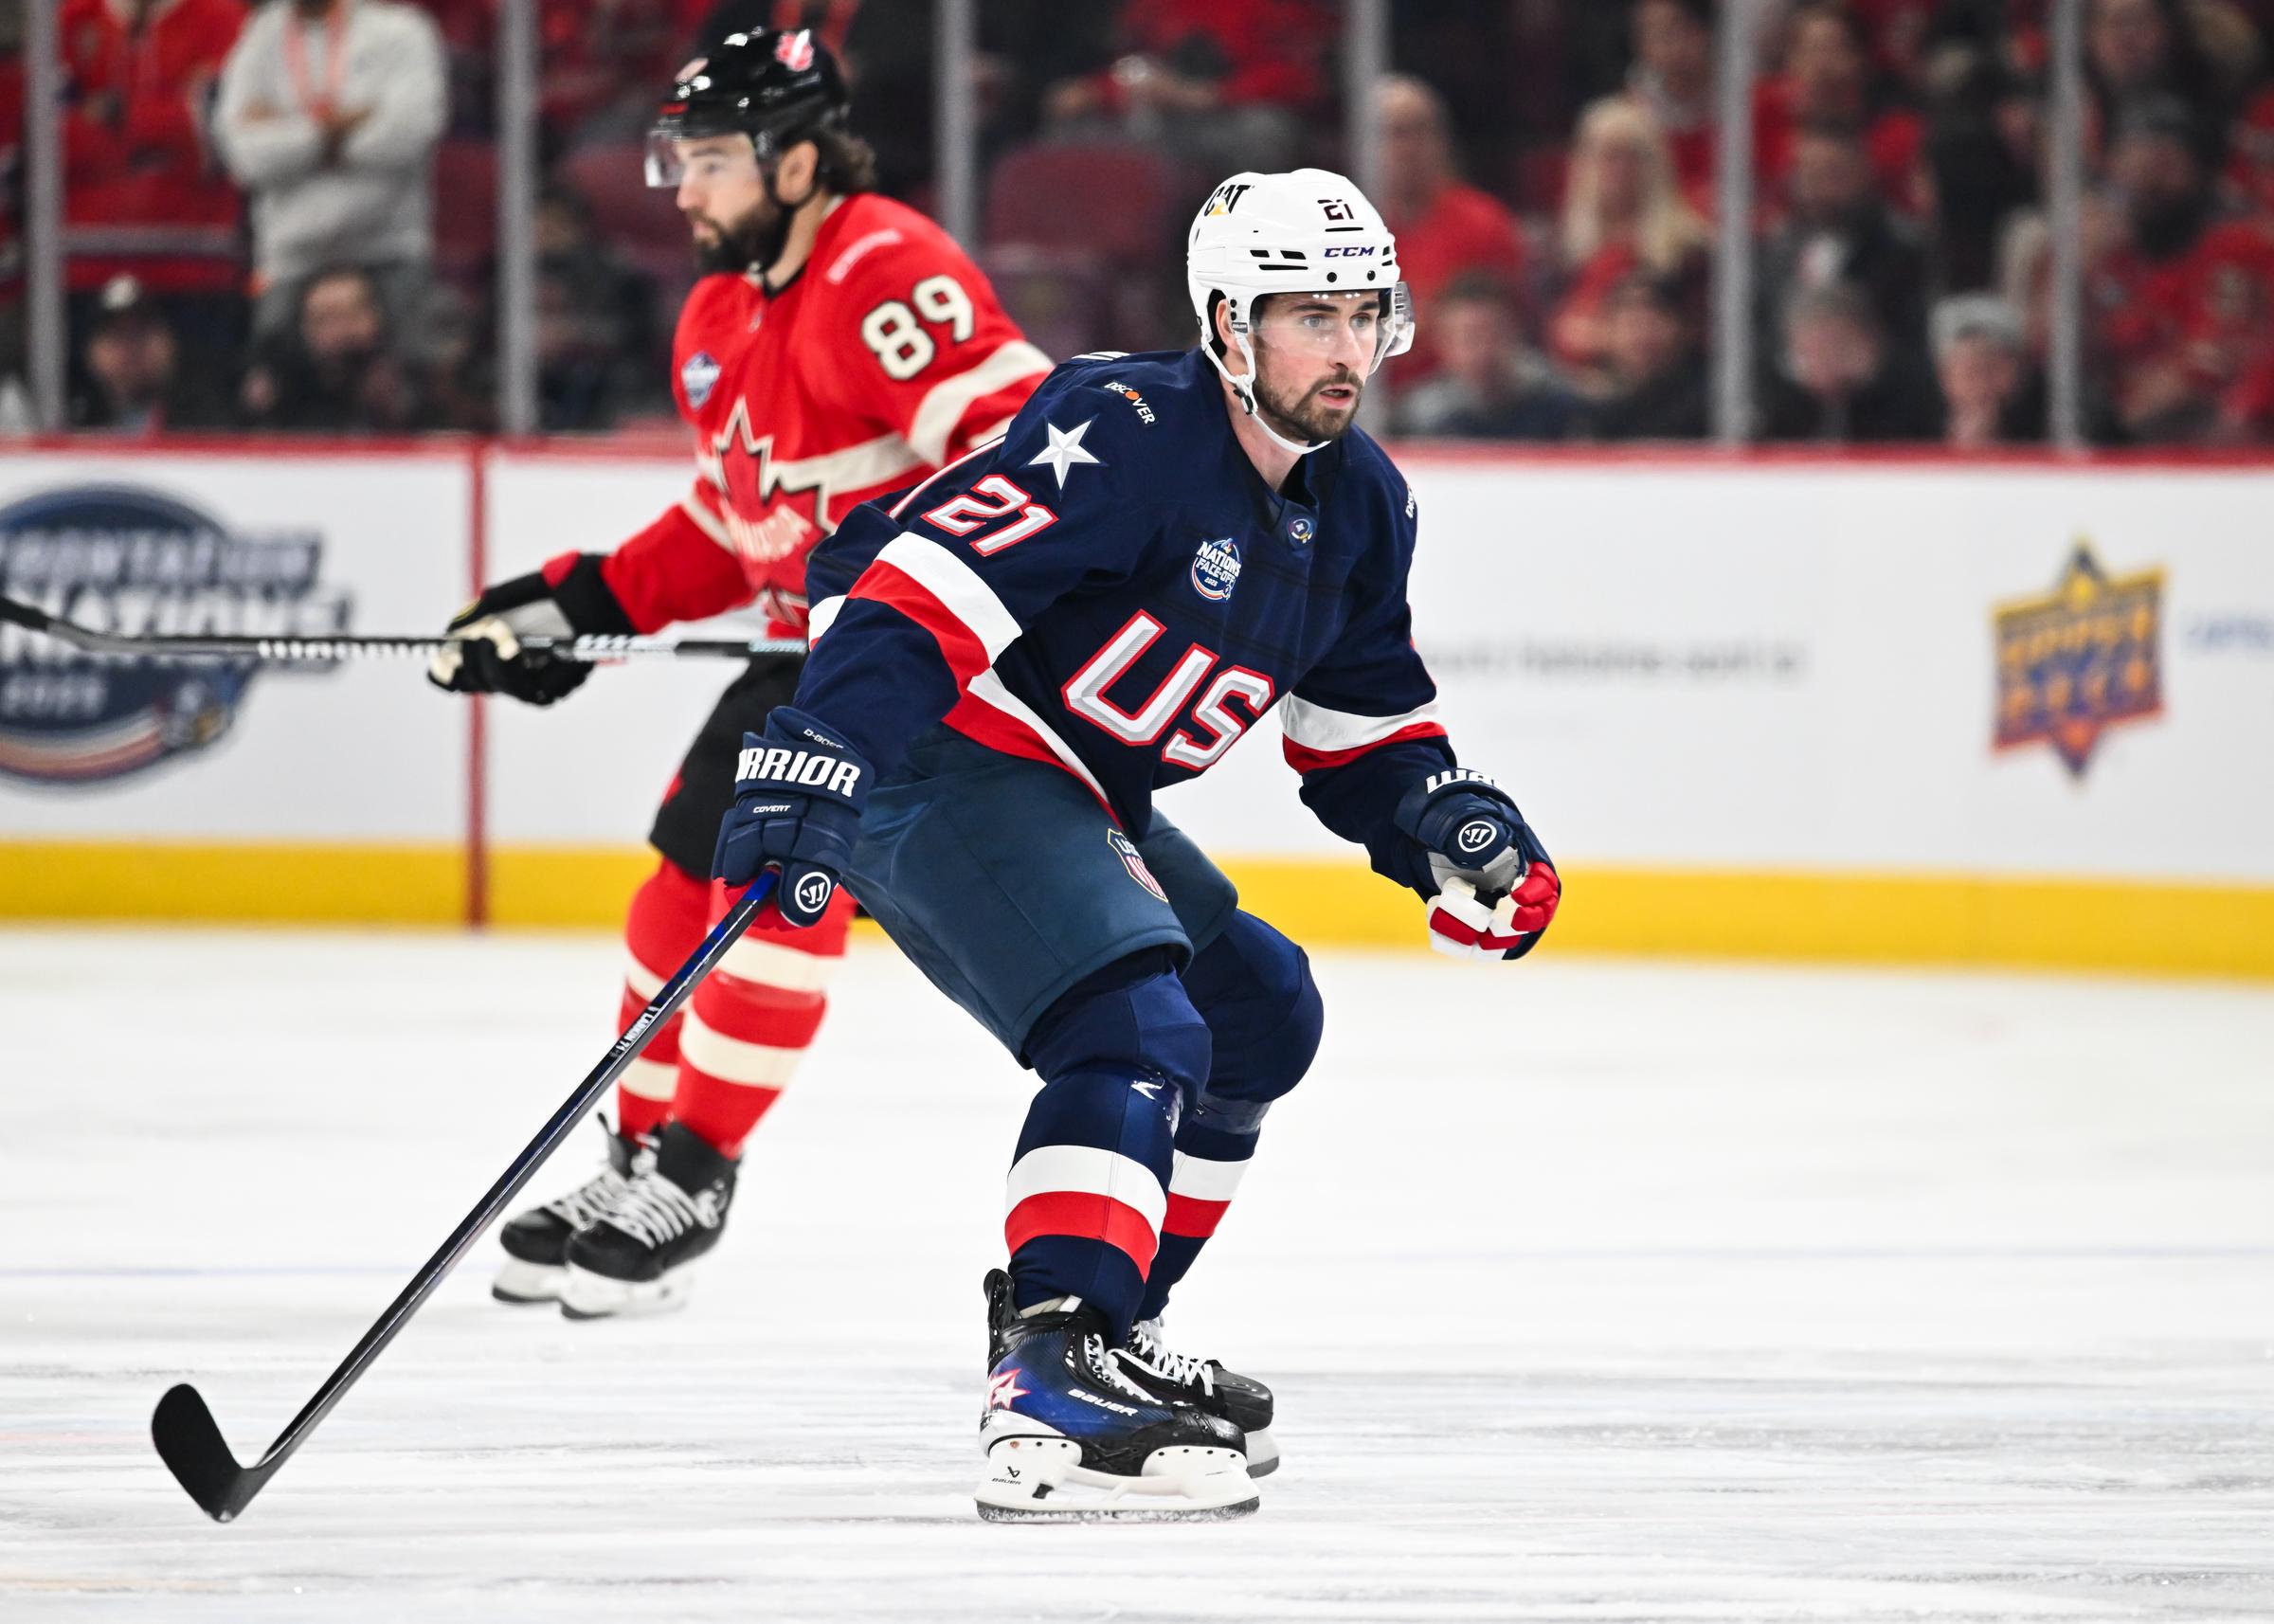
(1349, 252)
(776, 765)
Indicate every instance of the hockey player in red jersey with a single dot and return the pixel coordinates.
(843, 348)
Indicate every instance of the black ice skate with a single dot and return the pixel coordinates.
(637, 1258)
(1205, 1384)
(536, 1242)
(1068, 1437)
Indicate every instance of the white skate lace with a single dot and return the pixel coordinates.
(1148, 1350)
(591, 1200)
(655, 1210)
(1102, 1361)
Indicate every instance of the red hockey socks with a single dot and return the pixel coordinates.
(752, 1021)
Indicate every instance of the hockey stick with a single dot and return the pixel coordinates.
(183, 1427)
(168, 646)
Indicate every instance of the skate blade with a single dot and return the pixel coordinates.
(524, 1283)
(588, 1296)
(1263, 1454)
(1042, 1480)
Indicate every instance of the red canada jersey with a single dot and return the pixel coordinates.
(885, 358)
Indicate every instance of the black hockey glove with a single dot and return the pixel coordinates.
(798, 795)
(1490, 885)
(567, 598)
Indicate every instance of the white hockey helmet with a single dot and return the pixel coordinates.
(1304, 231)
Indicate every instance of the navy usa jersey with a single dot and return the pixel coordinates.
(1112, 587)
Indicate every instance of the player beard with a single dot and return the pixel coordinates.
(751, 242)
(1310, 418)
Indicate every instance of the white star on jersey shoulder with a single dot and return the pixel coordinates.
(1065, 450)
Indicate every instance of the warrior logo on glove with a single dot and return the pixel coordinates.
(1464, 846)
(798, 795)
(1475, 837)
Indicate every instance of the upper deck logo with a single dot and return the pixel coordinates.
(127, 560)
(2085, 657)
(1216, 570)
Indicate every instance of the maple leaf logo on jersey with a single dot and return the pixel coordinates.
(761, 524)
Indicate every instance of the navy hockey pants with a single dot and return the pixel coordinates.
(1163, 1020)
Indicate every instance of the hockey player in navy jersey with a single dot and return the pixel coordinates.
(1007, 661)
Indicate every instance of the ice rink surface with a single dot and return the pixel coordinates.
(1592, 1290)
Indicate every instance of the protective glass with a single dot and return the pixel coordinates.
(717, 157)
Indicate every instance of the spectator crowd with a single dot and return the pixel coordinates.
(282, 216)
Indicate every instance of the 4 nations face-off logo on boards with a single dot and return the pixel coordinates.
(2080, 659)
(131, 561)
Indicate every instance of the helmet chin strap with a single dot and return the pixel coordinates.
(1245, 389)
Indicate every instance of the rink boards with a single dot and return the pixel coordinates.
(1895, 710)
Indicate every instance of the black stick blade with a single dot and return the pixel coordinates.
(193, 1450)
(22, 614)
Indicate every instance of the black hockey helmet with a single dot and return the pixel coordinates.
(776, 86)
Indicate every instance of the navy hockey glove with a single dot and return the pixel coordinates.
(1491, 886)
(798, 795)
(567, 598)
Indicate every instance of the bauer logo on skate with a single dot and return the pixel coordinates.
(2082, 658)
(127, 560)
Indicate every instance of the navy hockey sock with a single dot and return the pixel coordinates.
(1254, 988)
(1088, 1187)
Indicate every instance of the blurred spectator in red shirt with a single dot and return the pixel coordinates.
(1840, 382)
(2251, 172)
(1827, 81)
(2184, 303)
(135, 380)
(1224, 87)
(143, 193)
(1490, 387)
(1838, 230)
(1445, 228)
(1623, 212)
(1673, 77)
(604, 59)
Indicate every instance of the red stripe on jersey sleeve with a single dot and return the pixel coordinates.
(1304, 759)
(883, 582)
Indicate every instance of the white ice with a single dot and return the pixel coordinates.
(1592, 1290)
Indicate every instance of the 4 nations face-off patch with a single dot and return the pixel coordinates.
(698, 377)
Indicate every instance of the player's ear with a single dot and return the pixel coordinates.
(1223, 311)
(797, 171)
